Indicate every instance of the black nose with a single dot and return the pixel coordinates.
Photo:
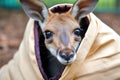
(66, 54)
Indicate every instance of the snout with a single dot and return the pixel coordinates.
(66, 56)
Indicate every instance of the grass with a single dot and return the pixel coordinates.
(102, 5)
(105, 4)
(54, 2)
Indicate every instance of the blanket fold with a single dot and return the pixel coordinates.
(98, 56)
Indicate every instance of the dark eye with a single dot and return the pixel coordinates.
(77, 32)
(48, 34)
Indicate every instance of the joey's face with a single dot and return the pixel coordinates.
(62, 37)
(59, 25)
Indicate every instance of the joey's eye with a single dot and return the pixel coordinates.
(48, 34)
(77, 32)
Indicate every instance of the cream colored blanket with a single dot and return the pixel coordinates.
(98, 56)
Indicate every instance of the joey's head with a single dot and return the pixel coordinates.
(60, 25)
(62, 37)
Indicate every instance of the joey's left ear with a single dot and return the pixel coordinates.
(83, 7)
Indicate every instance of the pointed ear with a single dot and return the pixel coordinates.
(83, 7)
(35, 9)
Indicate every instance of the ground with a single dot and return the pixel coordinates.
(12, 26)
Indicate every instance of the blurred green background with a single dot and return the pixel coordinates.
(102, 6)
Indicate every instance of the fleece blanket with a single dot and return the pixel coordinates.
(98, 56)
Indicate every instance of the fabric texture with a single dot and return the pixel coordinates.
(98, 56)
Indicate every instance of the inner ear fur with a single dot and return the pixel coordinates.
(81, 8)
(35, 9)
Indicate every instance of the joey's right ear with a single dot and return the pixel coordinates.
(35, 9)
(81, 8)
